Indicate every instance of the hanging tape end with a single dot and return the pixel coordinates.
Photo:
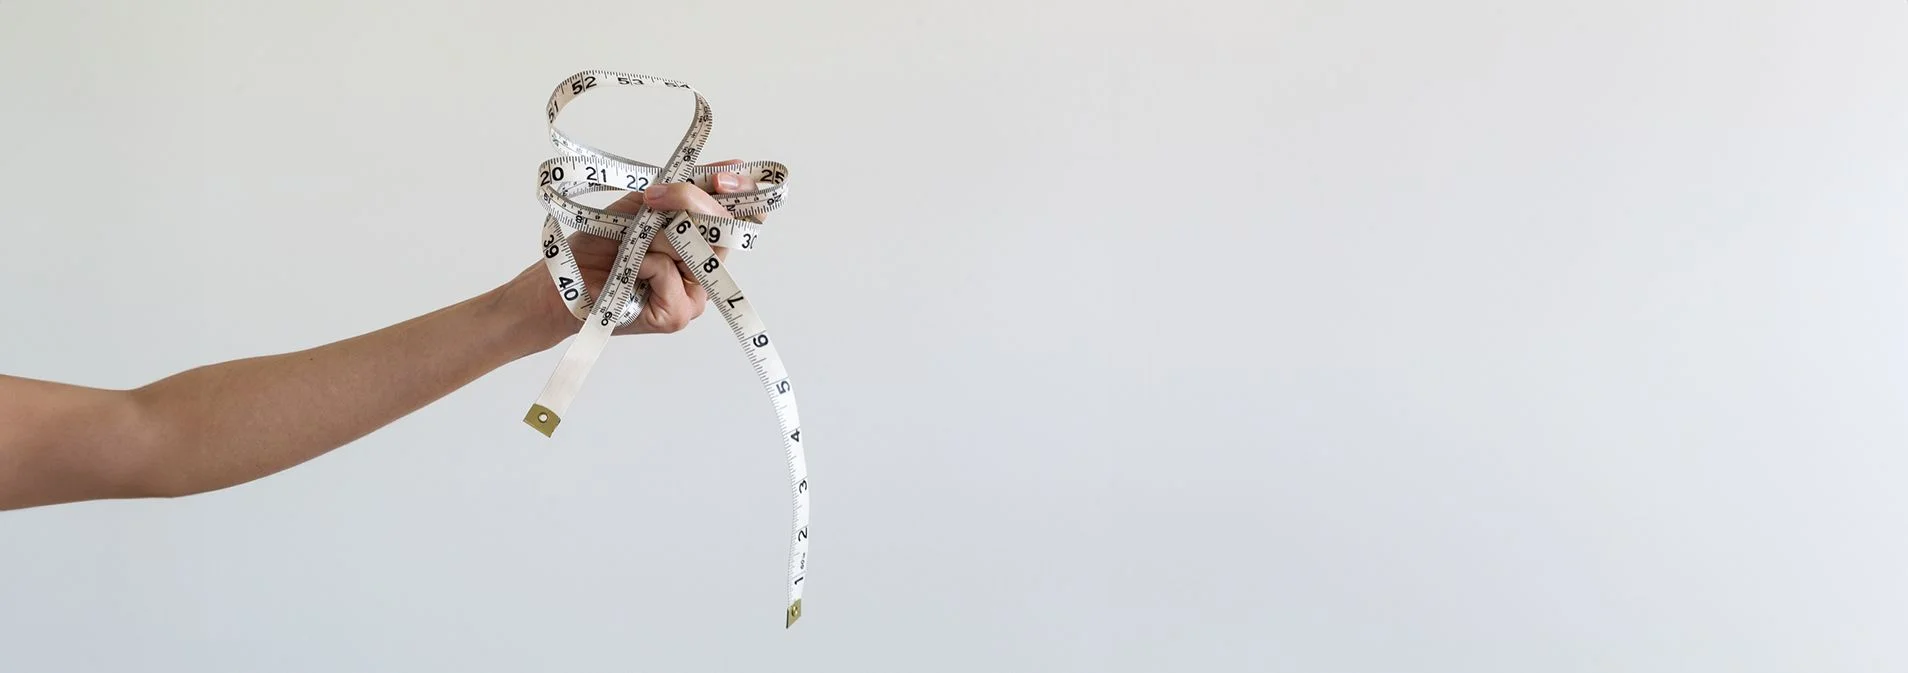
(543, 419)
(794, 613)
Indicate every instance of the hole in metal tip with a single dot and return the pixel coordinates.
(543, 418)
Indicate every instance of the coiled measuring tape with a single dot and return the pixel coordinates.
(583, 170)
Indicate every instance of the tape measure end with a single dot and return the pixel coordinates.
(543, 419)
(794, 613)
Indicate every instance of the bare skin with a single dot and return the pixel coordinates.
(225, 424)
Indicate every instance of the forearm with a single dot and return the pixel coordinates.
(225, 424)
(229, 423)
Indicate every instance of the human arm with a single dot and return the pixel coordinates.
(229, 423)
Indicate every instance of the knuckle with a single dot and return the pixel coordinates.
(667, 320)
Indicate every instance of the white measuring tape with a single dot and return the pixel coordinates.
(584, 170)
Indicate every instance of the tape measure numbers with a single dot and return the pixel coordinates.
(694, 237)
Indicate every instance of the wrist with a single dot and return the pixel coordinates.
(527, 314)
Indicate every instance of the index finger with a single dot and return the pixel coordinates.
(683, 196)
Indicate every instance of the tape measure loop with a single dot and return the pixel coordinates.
(580, 169)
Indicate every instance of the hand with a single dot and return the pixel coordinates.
(674, 299)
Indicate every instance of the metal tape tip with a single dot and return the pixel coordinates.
(794, 613)
(543, 419)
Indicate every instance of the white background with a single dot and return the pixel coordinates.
(1195, 336)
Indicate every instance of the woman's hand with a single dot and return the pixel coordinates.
(674, 299)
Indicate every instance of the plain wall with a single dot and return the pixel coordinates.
(1310, 336)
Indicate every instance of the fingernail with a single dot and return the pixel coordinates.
(728, 181)
(656, 191)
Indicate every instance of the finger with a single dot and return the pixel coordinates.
(663, 312)
(626, 204)
(733, 183)
(593, 250)
(692, 289)
(680, 196)
(665, 197)
(740, 183)
(683, 196)
(725, 182)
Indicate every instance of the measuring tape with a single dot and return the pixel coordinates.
(584, 170)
